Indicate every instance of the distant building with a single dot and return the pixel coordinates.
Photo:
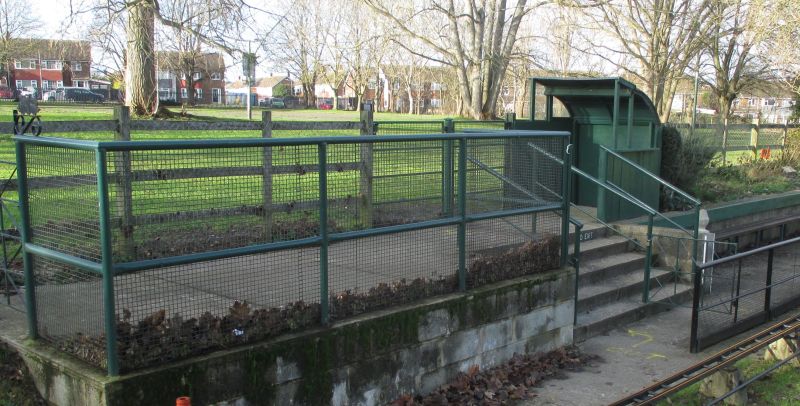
(263, 90)
(44, 64)
(207, 73)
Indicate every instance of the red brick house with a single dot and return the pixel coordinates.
(44, 64)
(207, 72)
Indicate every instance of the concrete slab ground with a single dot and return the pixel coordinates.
(630, 358)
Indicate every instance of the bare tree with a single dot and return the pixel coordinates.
(300, 42)
(783, 52)
(739, 30)
(226, 20)
(16, 22)
(475, 37)
(652, 40)
(404, 71)
(363, 49)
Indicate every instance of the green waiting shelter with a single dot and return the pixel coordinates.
(603, 114)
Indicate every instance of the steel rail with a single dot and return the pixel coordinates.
(681, 380)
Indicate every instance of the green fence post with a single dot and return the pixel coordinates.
(25, 237)
(566, 189)
(697, 283)
(576, 262)
(648, 260)
(532, 106)
(447, 169)
(602, 168)
(109, 312)
(462, 210)
(266, 174)
(323, 232)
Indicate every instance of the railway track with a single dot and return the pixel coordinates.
(788, 328)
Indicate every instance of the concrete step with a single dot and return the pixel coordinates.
(613, 315)
(590, 231)
(598, 269)
(626, 286)
(602, 247)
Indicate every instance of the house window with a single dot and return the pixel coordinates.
(81, 83)
(436, 86)
(184, 94)
(198, 93)
(216, 76)
(49, 84)
(77, 67)
(52, 65)
(59, 83)
(769, 102)
(751, 101)
(197, 76)
(27, 83)
(216, 95)
(436, 103)
(25, 64)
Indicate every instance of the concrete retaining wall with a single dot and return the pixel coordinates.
(367, 360)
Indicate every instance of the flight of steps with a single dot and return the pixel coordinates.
(611, 283)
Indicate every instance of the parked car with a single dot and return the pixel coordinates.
(6, 92)
(263, 103)
(277, 103)
(73, 94)
(326, 106)
(27, 91)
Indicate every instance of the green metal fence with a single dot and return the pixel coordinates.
(739, 137)
(140, 253)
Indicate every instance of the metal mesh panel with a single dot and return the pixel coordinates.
(509, 247)
(174, 312)
(380, 271)
(739, 136)
(63, 202)
(70, 309)
(408, 180)
(785, 275)
(408, 127)
(187, 201)
(731, 293)
(770, 137)
(510, 174)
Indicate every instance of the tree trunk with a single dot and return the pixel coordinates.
(140, 72)
(410, 100)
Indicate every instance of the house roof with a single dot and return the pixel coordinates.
(209, 62)
(51, 49)
(270, 81)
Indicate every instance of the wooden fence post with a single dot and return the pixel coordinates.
(724, 140)
(754, 134)
(365, 209)
(266, 132)
(123, 199)
(785, 134)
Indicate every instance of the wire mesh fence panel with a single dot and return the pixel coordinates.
(739, 136)
(63, 202)
(732, 293)
(785, 276)
(408, 127)
(174, 312)
(408, 181)
(70, 311)
(509, 247)
(770, 137)
(512, 174)
(375, 272)
(173, 202)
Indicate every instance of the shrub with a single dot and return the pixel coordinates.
(683, 158)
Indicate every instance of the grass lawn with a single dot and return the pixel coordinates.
(781, 388)
(104, 112)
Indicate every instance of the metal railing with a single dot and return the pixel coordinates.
(137, 253)
(757, 291)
